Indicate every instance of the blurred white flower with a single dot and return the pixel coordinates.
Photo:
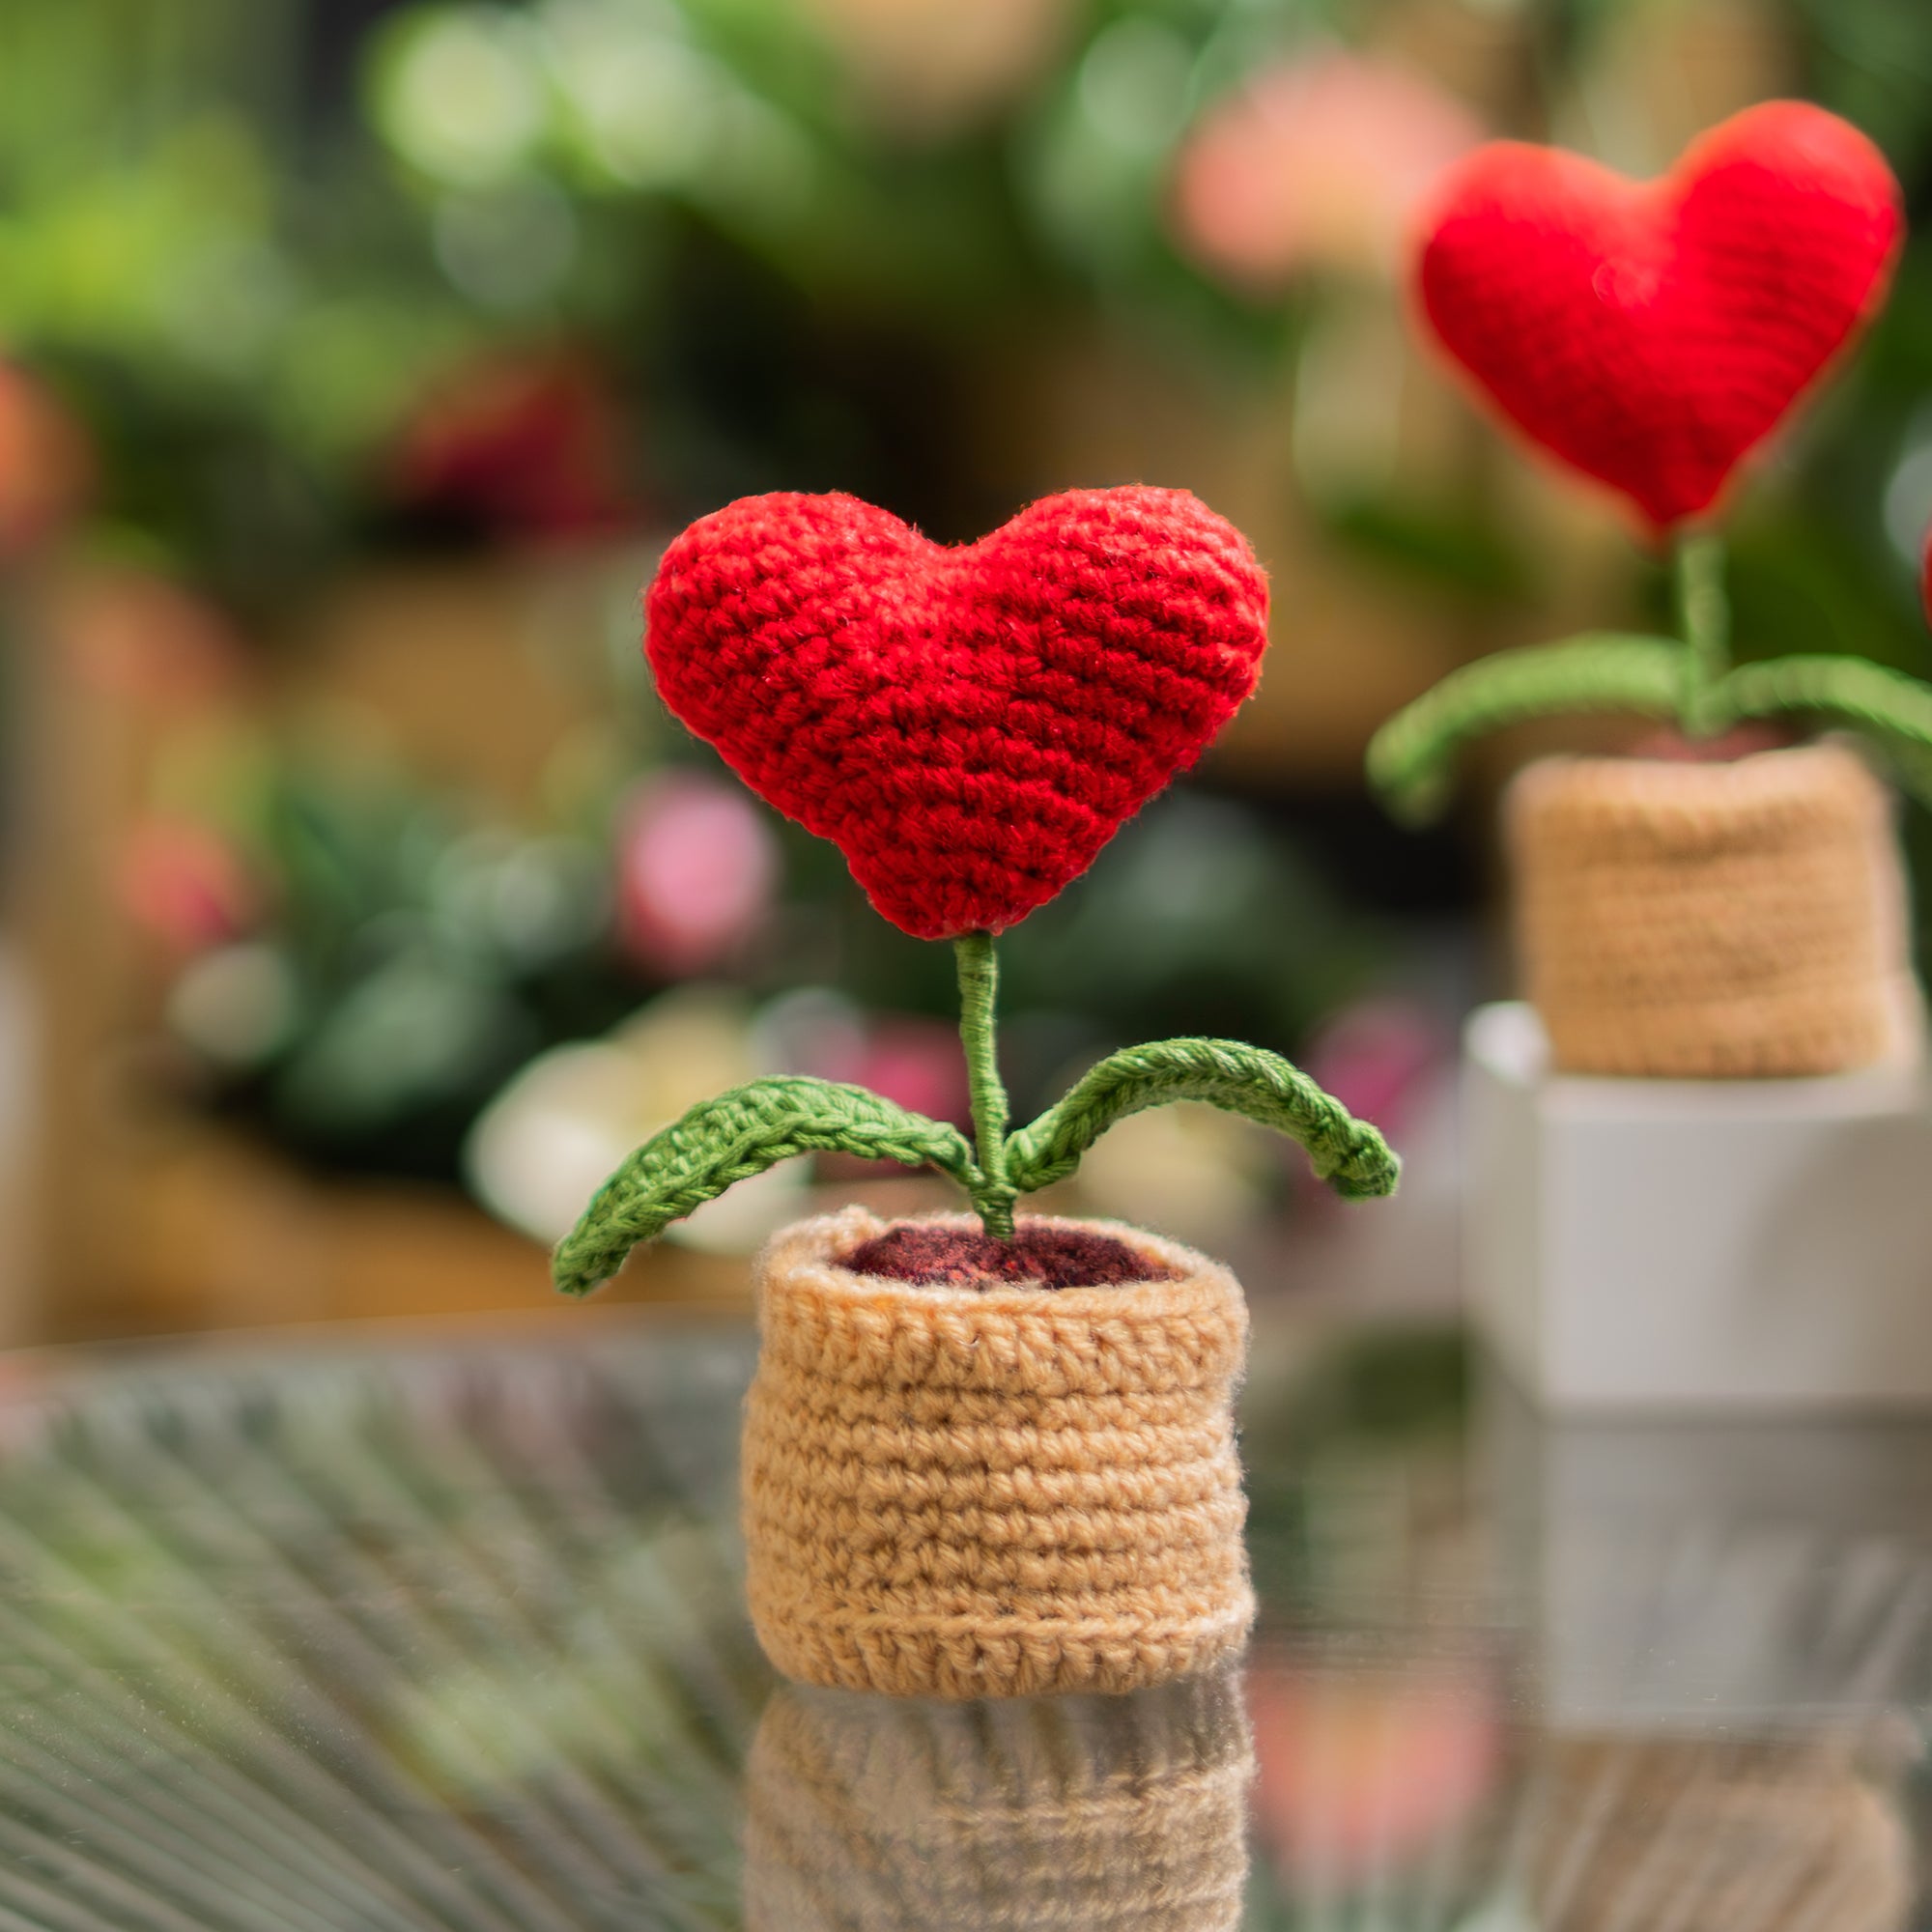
(461, 93)
(563, 1123)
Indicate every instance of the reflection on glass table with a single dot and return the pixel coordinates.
(446, 1633)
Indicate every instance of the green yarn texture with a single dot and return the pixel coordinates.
(1688, 679)
(741, 1134)
(1345, 1152)
(747, 1131)
(993, 1192)
(1411, 758)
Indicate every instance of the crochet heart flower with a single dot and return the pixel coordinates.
(1652, 333)
(969, 725)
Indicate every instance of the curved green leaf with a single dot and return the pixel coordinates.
(1348, 1153)
(732, 1138)
(1888, 706)
(1409, 758)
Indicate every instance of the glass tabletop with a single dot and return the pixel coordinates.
(446, 1632)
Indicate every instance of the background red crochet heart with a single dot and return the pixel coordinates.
(1651, 332)
(969, 725)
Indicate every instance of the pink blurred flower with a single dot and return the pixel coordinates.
(1375, 1056)
(47, 464)
(697, 869)
(1317, 162)
(917, 1062)
(1358, 1773)
(185, 885)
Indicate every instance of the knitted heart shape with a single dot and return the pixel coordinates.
(969, 725)
(1652, 333)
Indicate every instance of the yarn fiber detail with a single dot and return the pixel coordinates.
(958, 1495)
(1105, 1815)
(1652, 333)
(1711, 920)
(969, 725)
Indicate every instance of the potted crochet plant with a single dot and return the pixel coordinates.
(983, 1454)
(1730, 900)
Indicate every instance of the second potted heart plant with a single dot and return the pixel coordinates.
(1727, 901)
(983, 1454)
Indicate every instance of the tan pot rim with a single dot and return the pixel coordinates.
(1185, 1331)
(1755, 797)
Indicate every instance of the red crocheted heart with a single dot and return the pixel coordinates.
(969, 725)
(1653, 332)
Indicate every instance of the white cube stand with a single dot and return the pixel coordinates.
(1681, 1573)
(1698, 1247)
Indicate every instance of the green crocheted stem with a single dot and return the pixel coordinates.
(1886, 706)
(733, 1137)
(1411, 757)
(1348, 1153)
(1704, 617)
(993, 1194)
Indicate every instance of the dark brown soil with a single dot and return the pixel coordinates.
(1741, 741)
(929, 1256)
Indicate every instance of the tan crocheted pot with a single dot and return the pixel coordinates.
(1788, 1835)
(1734, 919)
(962, 1493)
(1092, 1814)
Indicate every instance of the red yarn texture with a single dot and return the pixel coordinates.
(969, 725)
(914, 1251)
(1651, 333)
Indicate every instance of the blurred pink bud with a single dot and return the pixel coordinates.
(1358, 1774)
(47, 464)
(917, 1062)
(185, 885)
(1375, 1056)
(697, 869)
(1317, 162)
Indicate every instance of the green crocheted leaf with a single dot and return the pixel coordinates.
(732, 1138)
(1348, 1153)
(1894, 711)
(1409, 758)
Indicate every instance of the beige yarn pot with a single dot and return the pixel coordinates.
(959, 1493)
(1095, 1814)
(1735, 1834)
(1738, 919)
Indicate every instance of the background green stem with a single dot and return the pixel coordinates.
(979, 998)
(1704, 618)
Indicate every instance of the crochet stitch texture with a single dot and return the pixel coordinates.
(960, 1493)
(969, 725)
(1651, 333)
(1091, 1814)
(1711, 920)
